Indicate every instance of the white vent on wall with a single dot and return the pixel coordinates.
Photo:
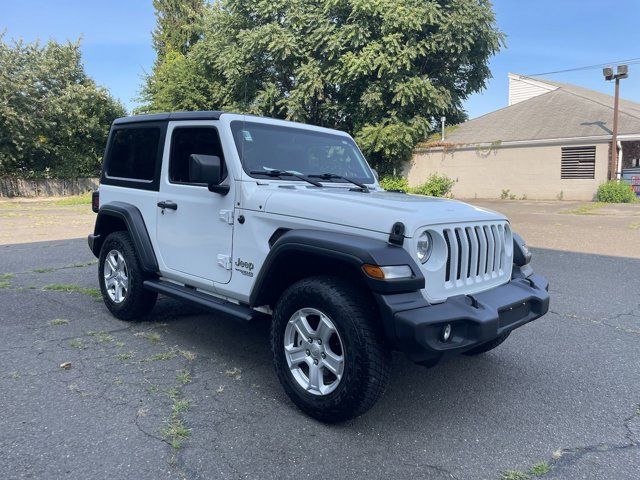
(523, 88)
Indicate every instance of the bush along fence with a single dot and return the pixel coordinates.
(47, 187)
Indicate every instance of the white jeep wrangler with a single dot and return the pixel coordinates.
(254, 218)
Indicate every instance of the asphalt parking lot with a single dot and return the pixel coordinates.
(191, 395)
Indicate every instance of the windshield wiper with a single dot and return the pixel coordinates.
(330, 176)
(284, 173)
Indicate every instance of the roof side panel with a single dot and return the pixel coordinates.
(157, 117)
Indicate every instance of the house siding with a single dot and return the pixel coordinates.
(531, 171)
(521, 89)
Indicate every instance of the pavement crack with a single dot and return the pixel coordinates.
(604, 322)
(566, 457)
(148, 434)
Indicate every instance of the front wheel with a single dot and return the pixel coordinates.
(329, 351)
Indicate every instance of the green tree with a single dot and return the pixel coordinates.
(383, 70)
(54, 120)
(178, 25)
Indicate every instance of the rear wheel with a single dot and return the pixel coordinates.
(329, 352)
(485, 347)
(121, 279)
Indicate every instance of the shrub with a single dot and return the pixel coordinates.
(435, 186)
(394, 183)
(616, 191)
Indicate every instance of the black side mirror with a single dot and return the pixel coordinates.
(207, 169)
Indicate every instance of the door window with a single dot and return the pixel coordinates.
(186, 141)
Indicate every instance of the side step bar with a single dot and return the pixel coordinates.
(239, 312)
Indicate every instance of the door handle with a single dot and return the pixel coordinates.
(168, 204)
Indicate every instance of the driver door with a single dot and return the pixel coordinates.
(194, 239)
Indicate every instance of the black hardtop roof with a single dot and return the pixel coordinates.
(159, 117)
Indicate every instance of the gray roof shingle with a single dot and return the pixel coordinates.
(567, 112)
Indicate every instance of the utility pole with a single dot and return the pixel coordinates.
(622, 71)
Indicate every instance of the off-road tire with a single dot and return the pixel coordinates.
(366, 356)
(485, 347)
(138, 301)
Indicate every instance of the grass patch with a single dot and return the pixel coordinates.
(153, 337)
(176, 431)
(514, 475)
(585, 209)
(80, 265)
(540, 469)
(77, 343)
(173, 393)
(59, 321)
(536, 471)
(234, 372)
(189, 356)
(183, 377)
(125, 356)
(84, 199)
(4, 284)
(72, 288)
(101, 337)
(180, 406)
(7, 276)
(162, 356)
(43, 270)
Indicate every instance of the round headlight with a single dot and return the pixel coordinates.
(423, 247)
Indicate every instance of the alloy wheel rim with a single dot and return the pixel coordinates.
(314, 351)
(116, 276)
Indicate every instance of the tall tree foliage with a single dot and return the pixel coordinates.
(54, 120)
(384, 70)
(178, 25)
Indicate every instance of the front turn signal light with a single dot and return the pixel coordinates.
(390, 272)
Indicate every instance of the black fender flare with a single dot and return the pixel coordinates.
(134, 222)
(355, 250)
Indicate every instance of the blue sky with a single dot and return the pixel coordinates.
(542, 36)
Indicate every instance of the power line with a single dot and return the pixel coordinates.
(630, 61)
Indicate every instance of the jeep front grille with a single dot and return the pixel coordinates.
(474, 252)
(468, 258)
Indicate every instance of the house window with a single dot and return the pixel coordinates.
(578, 162)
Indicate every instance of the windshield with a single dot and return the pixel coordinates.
(264, 147)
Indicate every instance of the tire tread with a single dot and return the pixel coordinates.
(139, 301)
(372, 360)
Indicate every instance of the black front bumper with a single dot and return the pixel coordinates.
(415, 327)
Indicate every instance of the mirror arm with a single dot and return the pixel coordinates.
(221, 189)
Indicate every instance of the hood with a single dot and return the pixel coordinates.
(376, 211)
